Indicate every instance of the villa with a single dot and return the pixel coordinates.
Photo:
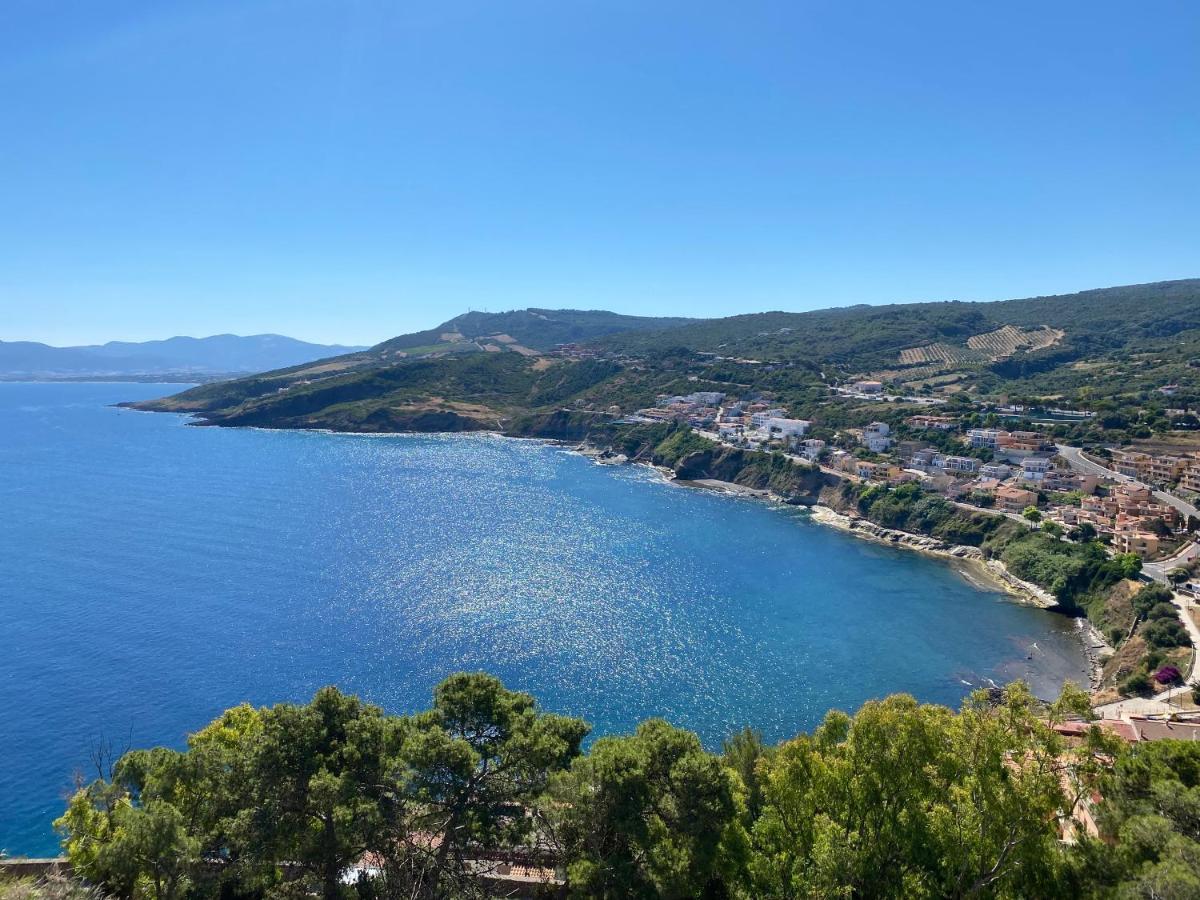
(1013, 499)
(1034, 468)
(967, 464)
(875, 437)
(811, 448)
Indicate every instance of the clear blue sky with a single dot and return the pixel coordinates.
(351, 169)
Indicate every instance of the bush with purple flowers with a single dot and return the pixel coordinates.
(1168, 675)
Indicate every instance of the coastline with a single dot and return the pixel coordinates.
(968, 561)
(991, 574)
(983, 572)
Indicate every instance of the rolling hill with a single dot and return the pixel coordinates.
(488, 370)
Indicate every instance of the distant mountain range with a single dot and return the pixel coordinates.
(202, 358)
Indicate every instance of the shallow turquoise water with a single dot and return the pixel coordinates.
(153, 574)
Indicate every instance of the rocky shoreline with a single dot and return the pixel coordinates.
(992, 572)
(985, 573)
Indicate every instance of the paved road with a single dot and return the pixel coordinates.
(1080, 463)
(1158, 570)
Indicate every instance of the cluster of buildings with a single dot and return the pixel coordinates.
(756, 424)
(575, 351)
(1021, 474)
(938, 423)
(699, 409)
(1161, 469)
(1130, 515)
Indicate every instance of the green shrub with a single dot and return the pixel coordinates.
(1136, 684)
(1162, 611)
(1148, 597)
(1165, 633)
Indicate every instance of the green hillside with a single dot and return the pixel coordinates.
(865, 336)
(487, 370)
(538, 329)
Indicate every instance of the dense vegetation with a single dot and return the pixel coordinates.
(899, 800)
(872, 335)
(51, 887)
(908, 508)
(1071, 570)
(538, 329)
(1152, 814)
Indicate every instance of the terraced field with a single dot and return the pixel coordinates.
(1004, 342)
(938, 354)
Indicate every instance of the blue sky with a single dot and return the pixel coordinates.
(350, 170)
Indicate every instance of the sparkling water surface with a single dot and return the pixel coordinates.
(153, 573)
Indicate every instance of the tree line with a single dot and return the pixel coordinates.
(898, 800)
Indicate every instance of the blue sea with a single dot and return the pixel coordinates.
(153, 573)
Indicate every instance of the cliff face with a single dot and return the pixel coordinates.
(762, 471)
(677, 448)
(561, 425)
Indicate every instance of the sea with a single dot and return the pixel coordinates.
(154, 573)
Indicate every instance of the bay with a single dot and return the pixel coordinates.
(153, 573)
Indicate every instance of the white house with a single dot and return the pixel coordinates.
(761, 418)
(956, 463)
(811, 449)
(1034, 468)
(875, 436)
(786, 429)
(984, 437)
